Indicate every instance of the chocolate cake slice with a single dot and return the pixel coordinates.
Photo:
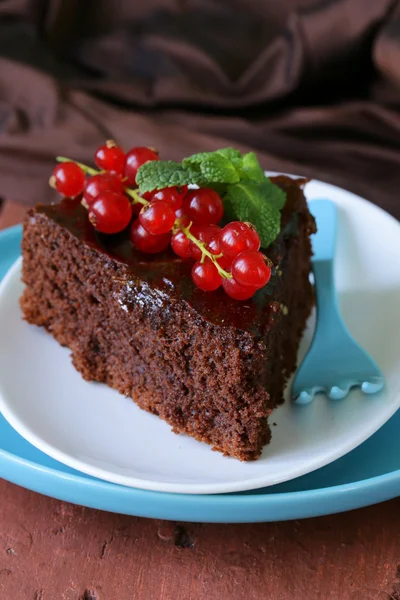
(212, 367)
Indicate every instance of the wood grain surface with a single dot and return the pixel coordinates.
(52, 550)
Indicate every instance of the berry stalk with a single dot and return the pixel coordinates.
(85, 168)
(202, 247)
(137, 199)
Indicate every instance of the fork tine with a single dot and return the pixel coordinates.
(339, 393)
(373, 386)
(305, 396)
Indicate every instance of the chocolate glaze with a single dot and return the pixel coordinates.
(167, 273)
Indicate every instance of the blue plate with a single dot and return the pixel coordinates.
(367, 475)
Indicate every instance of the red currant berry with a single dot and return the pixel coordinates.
(237, 237)
(69, 179)
(211, 238)
(181, 245)
(209, 234)
(205, 276)
(110, 157)
(145, 241)
(110, 212)
(157, 217)
(148, 195)
(250, 269)
(182, 190)
(168, 195)
(183, 219)
(136, 208)
(99, 183)
(236, 291)
(203, 206)
(225, 263)
(135, 158)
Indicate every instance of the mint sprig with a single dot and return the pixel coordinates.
(159, 174)
(213, 167)
(251, 169)
(248, 195)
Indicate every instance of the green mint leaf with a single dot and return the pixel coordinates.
(214, 167)
(273, 194)
(248, 201)
(203, 169)
(269, 224)
(159, 174)
(218, 169)
(196, 159)
(233, 155)
(230, 153)
(251, 168)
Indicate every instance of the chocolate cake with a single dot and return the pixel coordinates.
(212, 367)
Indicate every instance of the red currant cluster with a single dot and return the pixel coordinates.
(186, 219)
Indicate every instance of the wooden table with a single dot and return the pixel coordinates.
(52, 550)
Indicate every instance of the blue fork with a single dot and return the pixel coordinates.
(335, 362)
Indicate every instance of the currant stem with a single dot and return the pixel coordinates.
(133, 194)
(204, 251)
(90, 171)
(84, 168)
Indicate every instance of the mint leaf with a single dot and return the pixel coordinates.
(230, 153)
(196, 159)
(203, 169)
(159, 174)
(214, 167)
(219, 169)
(251, 168)
(273, 194)
(233, 155)
(248, 201)
(268, 225)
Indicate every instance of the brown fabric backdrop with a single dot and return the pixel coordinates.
(312, 85)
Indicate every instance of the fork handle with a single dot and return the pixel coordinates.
(329, 318)
(326, 215)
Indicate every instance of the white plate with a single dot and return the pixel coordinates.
(96, 430)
